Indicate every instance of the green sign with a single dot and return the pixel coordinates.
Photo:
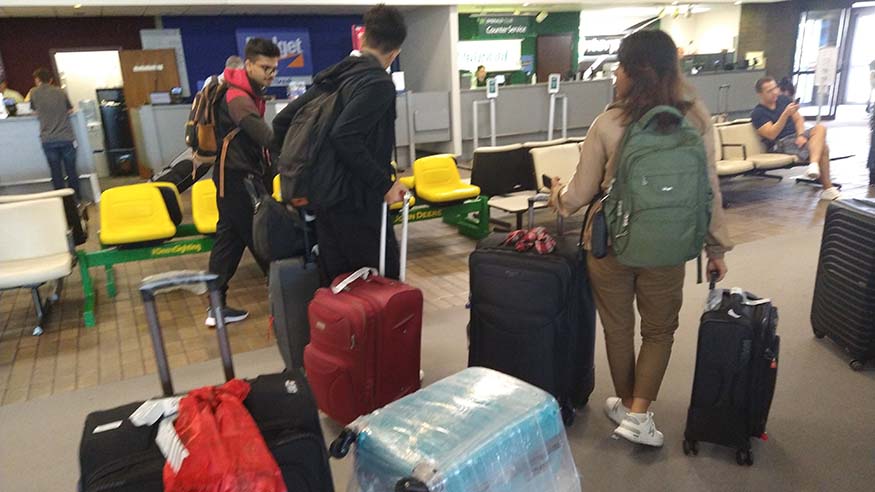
(505, 25)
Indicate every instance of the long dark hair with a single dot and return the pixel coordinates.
(650, 59)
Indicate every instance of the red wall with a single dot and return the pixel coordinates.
(25, 42)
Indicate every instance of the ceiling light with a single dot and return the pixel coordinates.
(860, 5)
(541, 16)
(739, 2)
(77, 6)
(516, 12)
(526, 4)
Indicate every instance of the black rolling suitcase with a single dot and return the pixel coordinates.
(77, 220)
(114, 455)
(292, 284)
(533, 317)
(736, 370)
(844, 293)
(179, 172)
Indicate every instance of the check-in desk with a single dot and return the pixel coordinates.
(159, 130)
(522, 112)
(732, 91)
(23, 164)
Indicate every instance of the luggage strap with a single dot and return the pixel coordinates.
(225, 143)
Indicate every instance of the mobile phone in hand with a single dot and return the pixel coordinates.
(547, 181)
(797, 100)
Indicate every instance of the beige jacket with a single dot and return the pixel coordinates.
(597, 166)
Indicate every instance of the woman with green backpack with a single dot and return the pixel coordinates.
(647, 167)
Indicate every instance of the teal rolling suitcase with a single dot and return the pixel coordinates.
(478, 430)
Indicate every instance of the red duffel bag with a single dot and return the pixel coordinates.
(226, 452)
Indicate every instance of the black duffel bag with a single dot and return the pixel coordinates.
(277, 229)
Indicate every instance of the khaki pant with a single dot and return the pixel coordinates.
(658, 293)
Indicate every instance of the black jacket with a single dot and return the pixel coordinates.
(363, 136)
(243, 107)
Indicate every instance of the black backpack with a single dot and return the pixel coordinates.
(309, 172)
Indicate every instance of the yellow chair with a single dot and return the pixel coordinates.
(408, 181)
(204, 212)
(277, 192)
(134, 214)
(438, 181)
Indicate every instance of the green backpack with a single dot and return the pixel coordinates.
(658, 208)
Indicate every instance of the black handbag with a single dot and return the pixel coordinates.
(598, 247)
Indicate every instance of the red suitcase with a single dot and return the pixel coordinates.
(365, 336)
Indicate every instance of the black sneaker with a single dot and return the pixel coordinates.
(231, 315)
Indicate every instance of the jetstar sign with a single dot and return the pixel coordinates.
(294, 44)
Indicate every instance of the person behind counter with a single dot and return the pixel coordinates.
(480, 76)
(7, 93)
(53, 109)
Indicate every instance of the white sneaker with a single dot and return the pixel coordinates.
(231, 315)
(831, 193)
(813, 170)
(640, 428)
(615, 410)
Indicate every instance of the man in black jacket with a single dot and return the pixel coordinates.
(243, 137)
(363, 139)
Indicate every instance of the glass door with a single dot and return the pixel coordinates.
(857, 87)
(818, 29)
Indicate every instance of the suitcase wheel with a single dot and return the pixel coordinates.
(410, 485)
(819, 334)
(691, 447)
(744, 457)
(567, 411)
(340, 447)
(857, 365)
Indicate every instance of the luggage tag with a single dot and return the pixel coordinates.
(170, 444)
(107, 427)
(152, 411)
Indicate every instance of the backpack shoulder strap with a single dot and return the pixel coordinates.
(225, 143)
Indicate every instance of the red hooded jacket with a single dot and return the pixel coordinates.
(242, 109)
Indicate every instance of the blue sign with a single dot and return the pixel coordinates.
(296, 63)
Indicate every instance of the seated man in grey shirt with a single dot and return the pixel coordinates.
(53, 109)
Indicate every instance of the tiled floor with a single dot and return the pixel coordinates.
(69, 356)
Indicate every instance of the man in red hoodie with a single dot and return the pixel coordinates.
(240, 120)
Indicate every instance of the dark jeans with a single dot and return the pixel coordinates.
(349, 240)
(233, 231)
(62, 159)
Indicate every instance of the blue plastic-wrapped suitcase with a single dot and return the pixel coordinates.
(478, 430)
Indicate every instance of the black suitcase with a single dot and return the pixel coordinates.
(77, 220)
(114, 455)
(533, 317)
(736, 370)
(844, 293)
(179, 172)
(292, 284)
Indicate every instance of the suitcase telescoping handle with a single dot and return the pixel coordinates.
(196, 282)
(384, 230)
(543, 197)
(366, 272)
